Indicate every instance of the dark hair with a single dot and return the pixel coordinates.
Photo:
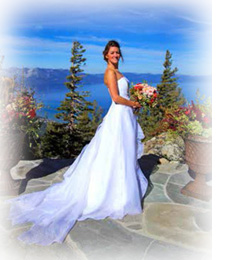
(111, 43)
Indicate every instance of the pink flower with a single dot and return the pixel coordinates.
(206, 120)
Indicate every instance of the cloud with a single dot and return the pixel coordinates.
(35, 45)
(32, 43)
(38, 27)
(90, 38)
(29, 44)
(193, 20)
(144, 31)
(52, 13)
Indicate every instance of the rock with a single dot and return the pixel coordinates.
(180, 142)
(174, 162)
(106, 239)
(38, 168)
(157, 194)
(176, 224)
(181, 178)
(152, 151)
(173, 191)
(172, 151)
(159, 178)
(204, 221)
(20, 170)
(135, 227)
(131, 219)
(162, 135)
(164, 147)
(172, 168)
(163, 161)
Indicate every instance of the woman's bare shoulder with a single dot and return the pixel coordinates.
(109, 71)
(108, 75)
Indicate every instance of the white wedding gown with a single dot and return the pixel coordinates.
(105, 180)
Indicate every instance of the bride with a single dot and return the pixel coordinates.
(105, 180)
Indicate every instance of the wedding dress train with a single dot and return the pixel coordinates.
(105, 180)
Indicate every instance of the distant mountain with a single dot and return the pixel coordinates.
(42, 80)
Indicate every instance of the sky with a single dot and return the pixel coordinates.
(40, 34)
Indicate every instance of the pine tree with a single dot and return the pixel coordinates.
(168, 90)
(146, 122)
(74, 103)
(96, 116)
(169, 94)
(66, 139)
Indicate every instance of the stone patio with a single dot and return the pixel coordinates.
(172, 226)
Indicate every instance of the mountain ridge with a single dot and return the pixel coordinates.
(42, 79)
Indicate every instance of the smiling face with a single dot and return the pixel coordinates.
(113, 55)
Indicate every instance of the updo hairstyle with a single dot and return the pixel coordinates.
(111, 43)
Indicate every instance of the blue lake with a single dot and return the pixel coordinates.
(99, 92)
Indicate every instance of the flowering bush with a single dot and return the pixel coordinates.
(18, 114)
(194, 119)
(143, 93)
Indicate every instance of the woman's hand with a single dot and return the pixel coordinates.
(137, 105)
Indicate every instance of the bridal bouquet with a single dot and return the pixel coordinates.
(144, 94)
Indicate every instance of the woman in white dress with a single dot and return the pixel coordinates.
(105, 180)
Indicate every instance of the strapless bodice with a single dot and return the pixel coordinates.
(123, 87)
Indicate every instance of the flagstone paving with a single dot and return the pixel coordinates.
(172, 226)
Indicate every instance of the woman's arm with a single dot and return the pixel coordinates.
(111, 82)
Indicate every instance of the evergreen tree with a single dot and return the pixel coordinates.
(169, 94)
(88, 122)
(147, 122)
(55, 141)
(66, 139)
(96, 116)
(74, 103)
